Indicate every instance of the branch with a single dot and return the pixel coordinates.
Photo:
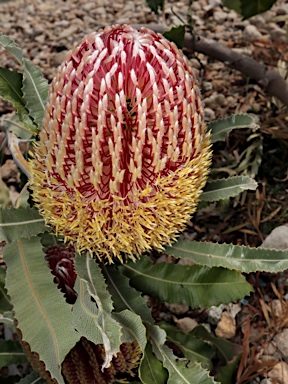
(272, 82)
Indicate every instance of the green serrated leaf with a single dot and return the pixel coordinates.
(181, 371)
(222, 127)
(224, 188)
(124, 296)
(94, 319)
(176, 35)
(241, 258)
(35, 91)
(20, 222)
(151, 369)
(132, 328)
(192, 348)
(226, 350)
(155, 5)
(32, 83)
(188, 285)
(32, 378)
(10, 46)
(11, 353)
(10, 90)
(43, 316)
(5, 304)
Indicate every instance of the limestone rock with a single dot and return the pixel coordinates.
(277, 239)
(281, 341)
(226, 327)
(279, 373)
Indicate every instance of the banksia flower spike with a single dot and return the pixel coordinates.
(123, 153)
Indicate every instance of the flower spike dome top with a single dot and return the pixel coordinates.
(123, 152)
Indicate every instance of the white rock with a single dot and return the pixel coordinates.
(186, 324)
(277, 33)
(214, 313)
(277, 308)
(220, 16)
(266, 381)
(278, 238)
(214, 3)
(178, 309)
(226, 327)
(258, 21)
(282, 9)
(281, 341)
(251, 33)
(279, 373)
(209, 114)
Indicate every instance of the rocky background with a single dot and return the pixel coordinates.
(45, 30)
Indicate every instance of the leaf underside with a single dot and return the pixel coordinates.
(222, 127)
(93, 319)
(225, 188)
(43, 316)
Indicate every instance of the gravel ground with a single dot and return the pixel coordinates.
(45, 30)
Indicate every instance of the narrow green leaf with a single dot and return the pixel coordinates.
(11, 353)
(176, 35)
(20, 222)
(192, 348)
(132, 328)
(32, 378)
(155, 5)
(94, 319)
(181, 371)
(35, 91)
(35, 87)
(10, 45)
(250, 8)
(151, 369)
(10, 90)
(241, 258)
(188, 285)
(227, 374)
(226, 351)
(224, 188)
(124, 296)
(222, 127)
(43, 315)
(5, 304)
(233, 4)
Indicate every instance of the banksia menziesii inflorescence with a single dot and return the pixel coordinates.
(83, 364)
(123, 153)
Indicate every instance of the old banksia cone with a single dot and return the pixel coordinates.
(83, 364)
(123, 152)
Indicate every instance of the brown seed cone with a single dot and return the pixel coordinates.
(83, 363)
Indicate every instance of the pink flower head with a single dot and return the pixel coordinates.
(123, 153)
